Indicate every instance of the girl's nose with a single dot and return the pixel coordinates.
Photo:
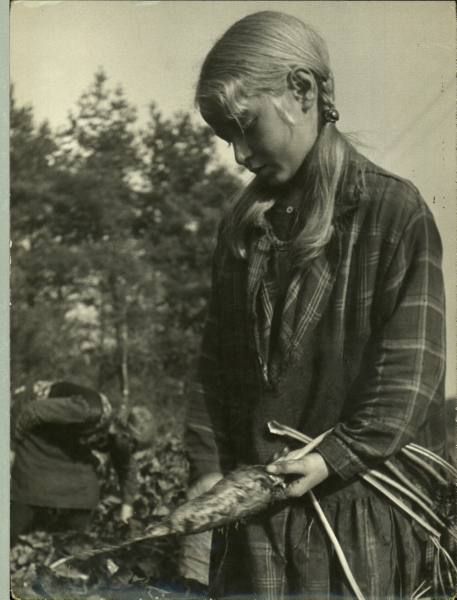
(242, 151)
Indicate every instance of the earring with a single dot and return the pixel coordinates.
(331, 115)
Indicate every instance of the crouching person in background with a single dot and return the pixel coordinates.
(54, 483)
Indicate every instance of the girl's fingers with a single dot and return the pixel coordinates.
(287, 467)
(280, 454)
(309, 471)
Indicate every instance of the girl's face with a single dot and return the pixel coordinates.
(266, 143)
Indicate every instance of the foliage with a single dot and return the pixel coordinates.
(112, 231)
(128, 573)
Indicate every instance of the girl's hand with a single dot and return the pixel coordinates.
(310, 469)
(126, 513)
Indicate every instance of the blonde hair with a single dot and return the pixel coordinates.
(255, 56)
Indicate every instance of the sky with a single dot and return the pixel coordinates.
(394, 66)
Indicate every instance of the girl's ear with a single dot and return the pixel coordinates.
(303, 86)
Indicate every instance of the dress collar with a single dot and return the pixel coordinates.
(348, 197)
(351, 189)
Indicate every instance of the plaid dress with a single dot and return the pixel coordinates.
(354, 342)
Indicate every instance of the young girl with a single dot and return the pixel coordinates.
(327, 313)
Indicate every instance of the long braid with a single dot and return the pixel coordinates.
(328, 164)
(327, 91)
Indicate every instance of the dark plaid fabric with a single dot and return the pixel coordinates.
(385, 554)
(360, 347)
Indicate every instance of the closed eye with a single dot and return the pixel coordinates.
(249, 126)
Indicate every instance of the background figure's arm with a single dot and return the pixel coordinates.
(62, 411)
(121, 453)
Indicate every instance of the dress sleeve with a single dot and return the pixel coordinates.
(56, 410)
(405, 368)
(205, 439)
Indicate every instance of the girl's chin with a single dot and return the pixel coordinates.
(274, 176)
(271, 175)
